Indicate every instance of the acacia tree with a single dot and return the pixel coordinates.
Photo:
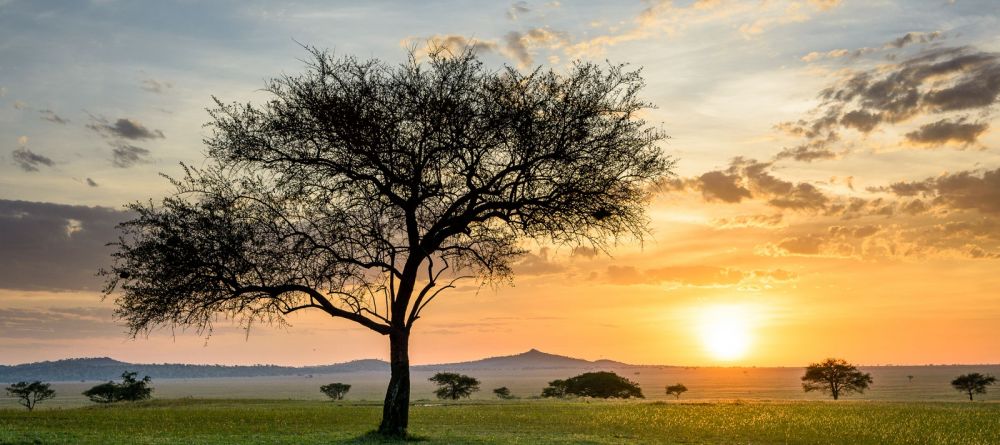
(973, 383)
(28, 394)
(836, 377)
(364, 190)
(335, 391)
(454, 386)
(676, 390)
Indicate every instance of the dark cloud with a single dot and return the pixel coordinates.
(932, 83)
(91, 182)
(124, 128)
(47, 246)
(456, 44)
(915, 37)
(759, 221)
(966, 190)
(51, 116)
(540, 264)
(28, 160)
(945, 131)
(722, 186)
(126, 155)
(855, 231)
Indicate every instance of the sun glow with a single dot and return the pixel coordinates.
(725, 331)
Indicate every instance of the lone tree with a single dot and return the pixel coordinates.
(28, 394)
(974, 383)
(603, 384)
(335, 391)
(454, 386)
(836, 377)
(503, 393)
(130, 389)
(676, 390)
(364, 190)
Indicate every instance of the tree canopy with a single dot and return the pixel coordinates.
(835, 377)
(335, 391)
(30, 393)
(676, 390)
(973, 383)
(454, 386)
(602, 384)
(130, 389)
(364, 190)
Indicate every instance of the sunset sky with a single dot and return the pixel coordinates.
(837, 188)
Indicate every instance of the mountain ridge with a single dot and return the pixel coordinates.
(107, 368)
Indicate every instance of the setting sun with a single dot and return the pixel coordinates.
(725, 331)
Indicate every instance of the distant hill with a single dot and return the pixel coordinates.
(533, 359)
(104, 368)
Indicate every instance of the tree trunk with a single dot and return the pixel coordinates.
(396, 410)
(970, 397)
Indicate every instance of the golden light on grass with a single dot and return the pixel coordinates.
(726, 330)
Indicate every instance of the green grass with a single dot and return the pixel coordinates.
(194, 421)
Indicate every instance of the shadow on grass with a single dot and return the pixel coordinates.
(373, 437)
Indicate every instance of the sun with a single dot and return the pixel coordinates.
(725, 331)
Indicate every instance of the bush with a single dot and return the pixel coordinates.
(503, 393)
(603, 385)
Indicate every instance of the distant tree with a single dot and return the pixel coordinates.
(676, 390)
(556, 388)
(363, 190)
(103, 393)
(603, 384)
(130, 389)
(974, 383)
(335, 391)
(28, 394)
(454, 386)
(835, 377)
(909, 378)
(503, 393)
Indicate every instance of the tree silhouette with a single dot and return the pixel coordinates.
(835, 377)
(28, 394)
(601, 384)
(974, 383)
(676, 390)
(454, 386)
(130, 389)
(364, 190)
(503, 393)
(335, 391)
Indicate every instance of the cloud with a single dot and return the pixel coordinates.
(126, 155)
(932, 84)
(124, 128)
(91, 182)
(722, 186)
(46, 246)
(693, 275)
(51, 116)
(945, 131)
(29, 161)
(756, 221)
(156, 86)
(540, 264)
(19, 105)
(518, 45)
(966, 190)
(449, 43)
(517, 9)
(914, 37)
(3, 91)
(57, 323)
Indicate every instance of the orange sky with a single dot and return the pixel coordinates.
(860, 224)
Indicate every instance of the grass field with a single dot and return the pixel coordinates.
(198, 421)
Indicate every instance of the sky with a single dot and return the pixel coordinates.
(837, 189)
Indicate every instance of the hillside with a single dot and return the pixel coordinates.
(104, 368)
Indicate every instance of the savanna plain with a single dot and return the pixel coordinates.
(724, 405)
